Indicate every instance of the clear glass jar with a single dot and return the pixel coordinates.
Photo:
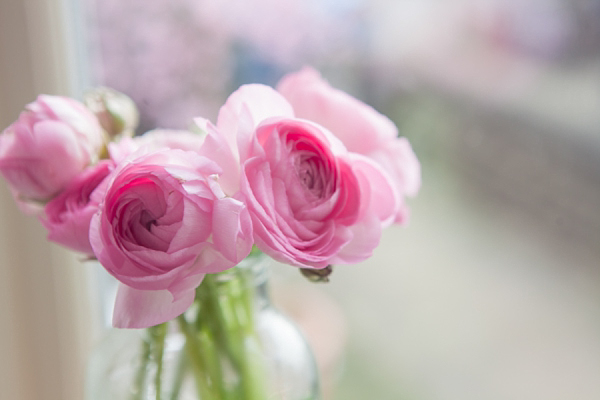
(231, 344)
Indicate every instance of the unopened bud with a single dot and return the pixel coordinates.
(115, 111)
(317, 275)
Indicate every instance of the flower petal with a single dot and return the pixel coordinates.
(232, 229)
(261, 101)
(357, 124)
(143, 308)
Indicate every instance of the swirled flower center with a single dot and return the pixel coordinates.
(310, 172)
(147, 220)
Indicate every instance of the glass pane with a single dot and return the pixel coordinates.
(492, 291)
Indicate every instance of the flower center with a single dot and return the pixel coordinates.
(147, 220)
(310, 173)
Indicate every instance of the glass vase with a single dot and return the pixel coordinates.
(232, 344)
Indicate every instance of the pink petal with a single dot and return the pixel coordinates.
(358, 125)
(218, 148)
(365, 238)
(144, 308)
(378, 186)
(232, 229)
(261, 101)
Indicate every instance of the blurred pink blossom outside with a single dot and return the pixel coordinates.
(176, 59)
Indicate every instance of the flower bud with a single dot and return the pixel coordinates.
(54, 139)
(317, 275)
(116, 112)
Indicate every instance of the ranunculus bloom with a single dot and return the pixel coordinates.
(67, 217)
(360, 127)
(163, 224)
(53, 140)
(312, 202)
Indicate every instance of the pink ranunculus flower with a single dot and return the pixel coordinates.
(164, 223)
(67, 217)
(156, 139)
(360, 127)
(53, 140)
(312, 202)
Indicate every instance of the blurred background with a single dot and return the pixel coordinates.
(493, 289)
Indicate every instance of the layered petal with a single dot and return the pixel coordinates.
(163, 223)
(361, 128)
(53, 140)
(136, 309)
(355, 123)
(305, 193)
(67, 217)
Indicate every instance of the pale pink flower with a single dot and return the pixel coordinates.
(156, 139)
(312, 202)
(67, 217)
(53, 140)
(360, 127)
(163, 224)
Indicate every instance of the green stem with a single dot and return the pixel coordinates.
(218, 315)
(180, 373)
(158, 334)
(140, 376)
(252, 371)
(231, 309)
(195, 358)
(212, 362)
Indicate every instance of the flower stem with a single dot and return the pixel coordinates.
(230, 308)
(140, 376)
(180, 373)
(158, 334)
(195, 358)
(213, 362)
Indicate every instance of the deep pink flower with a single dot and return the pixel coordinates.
(360, 127)
(67, 217)
(312, 202)
(163, 224)
(53, 140)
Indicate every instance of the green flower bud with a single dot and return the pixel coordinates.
(115, 111)
(317, 275)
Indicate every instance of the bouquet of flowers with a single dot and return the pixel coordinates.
(304, 173)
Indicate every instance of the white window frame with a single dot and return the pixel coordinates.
(46, 324)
